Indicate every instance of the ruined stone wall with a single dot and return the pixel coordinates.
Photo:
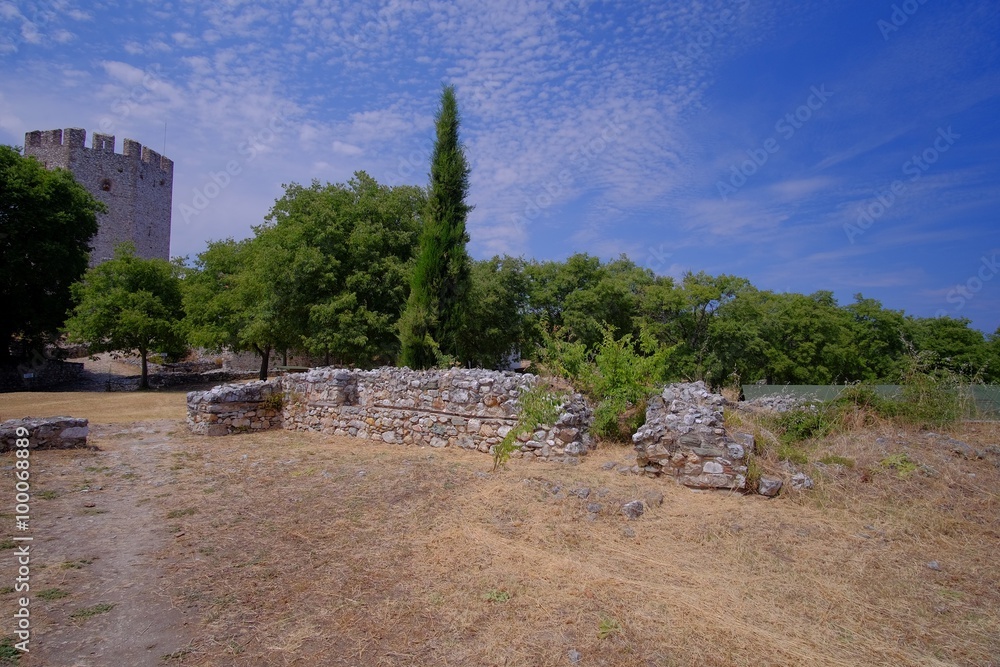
(44, 433)
(468, 408)
(136, 186)
(684, 437)
(35, 377)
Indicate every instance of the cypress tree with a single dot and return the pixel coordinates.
(435, 312)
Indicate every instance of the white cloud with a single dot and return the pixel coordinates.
(345, 149)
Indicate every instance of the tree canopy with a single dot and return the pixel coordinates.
(129, 304)
(327, 273)
(46, 222)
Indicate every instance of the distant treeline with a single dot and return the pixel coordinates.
(328, 273)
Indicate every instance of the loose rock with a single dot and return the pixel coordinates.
(633, 509)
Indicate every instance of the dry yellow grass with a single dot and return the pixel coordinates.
(98, 407)
(302, 549)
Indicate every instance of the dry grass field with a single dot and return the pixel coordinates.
(287, 548)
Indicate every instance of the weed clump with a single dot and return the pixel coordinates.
(539, 407)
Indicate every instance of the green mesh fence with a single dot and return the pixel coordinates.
(987, 397)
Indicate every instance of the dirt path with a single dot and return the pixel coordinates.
(101, 595)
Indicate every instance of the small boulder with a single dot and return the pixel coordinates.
(769, 486)
(633, 509)
(801, 481)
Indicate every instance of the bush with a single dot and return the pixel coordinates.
(539, 407)
(798, 425)
(618, 376)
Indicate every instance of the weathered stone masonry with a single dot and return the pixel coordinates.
(468, 408)
(136, 186)
(684, 437)
(44, 433)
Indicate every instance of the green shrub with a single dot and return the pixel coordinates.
(901, 463)
(798, 425)
(835, 460)
(789, 451)
(863, 397)
(539, 407)
(274, 402)
(617, 376)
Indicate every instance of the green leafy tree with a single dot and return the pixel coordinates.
(575, 299)
(683, 316)
(244, 296)
(129, 304)
(878, 340)
(496, 316)
(46, 222)
(360, 238)
(436, 310)
(328, 273)
(949, 345)
(992, 374)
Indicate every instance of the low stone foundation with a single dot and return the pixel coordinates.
(684, 437)
(236, 408)
(44, 433)
(468, 408)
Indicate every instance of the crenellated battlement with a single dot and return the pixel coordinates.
(76, 138)
(135, 185)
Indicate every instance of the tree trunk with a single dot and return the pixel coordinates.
(284, 357)
(265, 356)
(144, 380)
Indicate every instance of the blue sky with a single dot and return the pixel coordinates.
(805, 145)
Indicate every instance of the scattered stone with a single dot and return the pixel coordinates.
(574, 656)
(801, 481)
(653, 498)
(583, 492)
(778, 403)
(934, 565)
(610, 465)
(962, 449)
(769, 486)
(628, 531)
(594, 508)
(633, 509)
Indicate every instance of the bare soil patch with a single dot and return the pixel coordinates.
(286, 548)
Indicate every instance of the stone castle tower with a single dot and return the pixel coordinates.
(136, 186)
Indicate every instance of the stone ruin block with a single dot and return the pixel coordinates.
(45, 433)
(684, 437)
